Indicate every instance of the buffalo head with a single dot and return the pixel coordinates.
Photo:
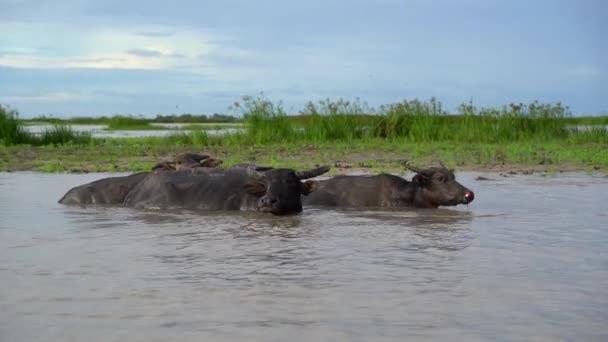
(163, 166)
(439, 186)
(280, 190)
(186, 161)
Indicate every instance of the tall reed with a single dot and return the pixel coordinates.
(265, 121)
(11, 131)
(334, 120)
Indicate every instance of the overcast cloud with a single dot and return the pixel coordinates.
(86, 57)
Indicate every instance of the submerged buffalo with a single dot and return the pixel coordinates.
(277, 191)
(187, 161)
(113, 190)
(430, 188)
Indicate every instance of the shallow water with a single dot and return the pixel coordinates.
(41, 128)
(99, 131)
(526, 260)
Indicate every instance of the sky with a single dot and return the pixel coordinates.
(89, 57)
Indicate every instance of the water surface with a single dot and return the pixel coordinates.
(525, 261)
(100, 131)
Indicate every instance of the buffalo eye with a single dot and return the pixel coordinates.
(440, 178)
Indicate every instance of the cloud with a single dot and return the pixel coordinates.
(109, 48)
(99, 60)
(176, 55)
(154, 53)
(200, 52)
(155, 34)
(145, 53)
(47, 97)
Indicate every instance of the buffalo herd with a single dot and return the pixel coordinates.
(194, 181)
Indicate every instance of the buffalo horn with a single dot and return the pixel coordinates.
(412, 168)
(252, 171)
(198, 157)
(312, 173)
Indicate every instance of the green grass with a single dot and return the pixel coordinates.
(13, 133)
(207, 127)
(374, 155)
(60, 135)
(329, 131)
(414, 121)
(265, 120)
(122, 122)
(588, 120)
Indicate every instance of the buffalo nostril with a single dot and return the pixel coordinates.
(469, 196)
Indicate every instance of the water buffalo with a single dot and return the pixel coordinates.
(113, 190)
(187, 161)
(430, 188)
(277, 191)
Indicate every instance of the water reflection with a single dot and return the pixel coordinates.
(423, 218)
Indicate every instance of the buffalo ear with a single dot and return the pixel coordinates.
(309, 186)
(255, 188)
(420, 179)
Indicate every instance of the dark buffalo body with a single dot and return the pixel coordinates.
(112, 190)
(430, 188)
(242, 188)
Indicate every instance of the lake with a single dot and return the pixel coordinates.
(164, 129)
(527, 260)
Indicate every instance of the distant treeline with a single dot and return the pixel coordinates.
(192, 118)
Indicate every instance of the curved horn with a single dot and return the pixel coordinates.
(443, 165)
(164, 165)
(192, 156)
(253, 172)
(312, 173)
(198, 157)
(410, 167)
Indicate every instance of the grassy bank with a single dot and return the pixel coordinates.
(340, 133)
(375, 155)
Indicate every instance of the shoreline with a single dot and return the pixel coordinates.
(343, 158)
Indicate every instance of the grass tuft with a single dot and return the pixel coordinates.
(121, 122)
(11, 131)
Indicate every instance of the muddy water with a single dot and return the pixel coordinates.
(526, 261)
